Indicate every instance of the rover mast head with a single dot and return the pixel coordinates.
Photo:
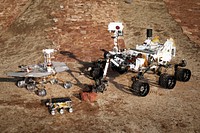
(47, 58)
(117, 29)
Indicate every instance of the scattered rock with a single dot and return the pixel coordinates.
(83, 32)
(61, 7)
(186, 30)
(178, 20)
(55, 20)
(128, 1)
(89, 96)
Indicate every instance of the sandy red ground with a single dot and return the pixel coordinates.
(79, 30)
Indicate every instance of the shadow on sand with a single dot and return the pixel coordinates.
(85, 65)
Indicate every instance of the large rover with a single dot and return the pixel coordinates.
(150, 56)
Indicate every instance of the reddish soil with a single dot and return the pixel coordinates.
(79, 30)
(187, 14)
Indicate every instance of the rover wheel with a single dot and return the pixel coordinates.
(41, 92)
(140, 88)
(167, 81)
(96, 73)
(67, 85)
(100, 85)
(101, 88)
(61, 111)
(120, 69)
(21, 83)
(70, 110)
(53, 81)
(30, 86)
(97, 82)
(53, 112)
(183, 74)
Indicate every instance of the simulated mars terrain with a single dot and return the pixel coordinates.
(78, 29)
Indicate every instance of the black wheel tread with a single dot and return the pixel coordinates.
(183, 74)
(165, 79)
(136, 86)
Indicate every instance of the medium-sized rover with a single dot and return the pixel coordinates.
(33, 77)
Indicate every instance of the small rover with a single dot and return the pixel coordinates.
(60, 105)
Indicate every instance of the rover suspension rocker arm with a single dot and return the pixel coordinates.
(107, 66)
(102, 82)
